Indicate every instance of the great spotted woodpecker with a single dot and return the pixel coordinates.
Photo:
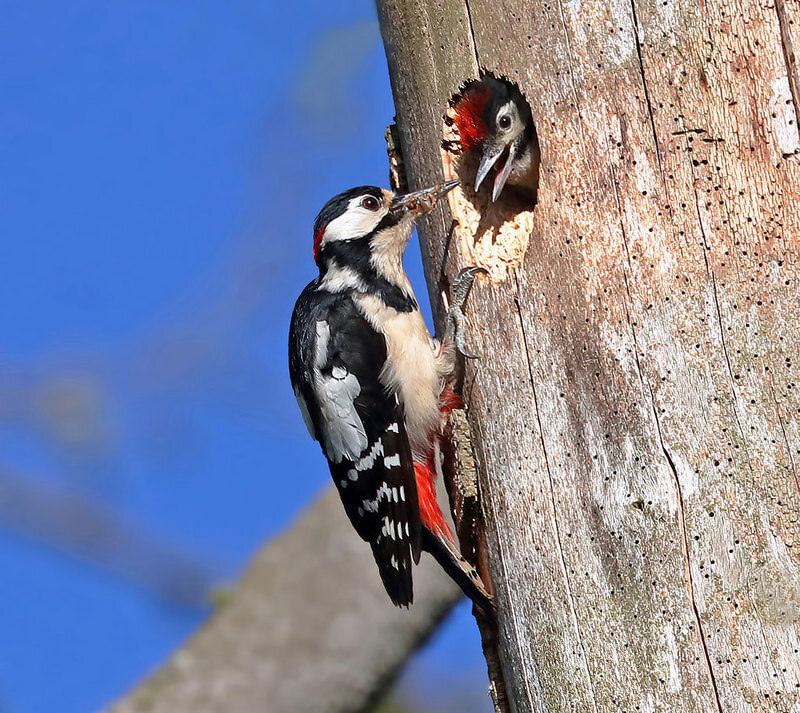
(497, 133)
(373, 386)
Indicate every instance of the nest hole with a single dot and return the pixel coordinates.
(491, 145)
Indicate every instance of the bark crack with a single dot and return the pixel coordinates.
(471, 35)
(685, 548)
(718, 310)
(789, 58)
(670, 463)
(785, 436)
(721, 328)
(644, 86)
(432, 58)
(710, 273)
(562, 558)
(681, 510)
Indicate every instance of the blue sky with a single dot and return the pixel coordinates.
(162, 164)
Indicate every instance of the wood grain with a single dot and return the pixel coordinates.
(636, 414)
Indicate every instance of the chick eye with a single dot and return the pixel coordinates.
(504, 122)
(370, 203)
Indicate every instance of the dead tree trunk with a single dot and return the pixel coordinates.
(635, 415)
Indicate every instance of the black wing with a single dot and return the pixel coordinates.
(335, 359)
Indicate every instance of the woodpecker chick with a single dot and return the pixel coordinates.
(374, 388)
(497, 133)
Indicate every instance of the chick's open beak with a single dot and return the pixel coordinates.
(491, 157)
(422, 201)
(503, 174)
(488, 160)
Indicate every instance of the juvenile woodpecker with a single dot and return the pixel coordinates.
(373, 386)
(498, 135)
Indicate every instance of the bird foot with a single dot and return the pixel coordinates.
(459, 292)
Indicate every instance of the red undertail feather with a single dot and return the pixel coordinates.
(432, 516)
(425, 473)
(449, 401)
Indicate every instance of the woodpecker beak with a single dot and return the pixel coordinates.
(422, 201)
(490, 158)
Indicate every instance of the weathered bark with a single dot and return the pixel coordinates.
(308, 628)
(636, 415)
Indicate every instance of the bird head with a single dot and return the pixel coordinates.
(371, 212)
(494, 121)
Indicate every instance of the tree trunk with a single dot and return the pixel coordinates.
(635, 415)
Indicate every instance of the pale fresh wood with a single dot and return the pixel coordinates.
(636, 414)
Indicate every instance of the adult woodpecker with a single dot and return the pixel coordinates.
(497, 134)
(373, 386)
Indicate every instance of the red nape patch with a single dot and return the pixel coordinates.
(318, 243)
(432, 516)
(469, 116)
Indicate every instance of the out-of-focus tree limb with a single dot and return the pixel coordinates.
(308, 628)
(87, 529)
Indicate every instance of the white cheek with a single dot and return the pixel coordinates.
(353, 223)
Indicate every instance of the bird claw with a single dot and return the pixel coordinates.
(459, 292)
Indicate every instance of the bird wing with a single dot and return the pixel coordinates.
(335, 368)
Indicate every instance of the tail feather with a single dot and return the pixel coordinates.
(399, 540)
(459, 570)
(395, 572)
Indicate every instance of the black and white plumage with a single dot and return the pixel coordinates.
(359, 426)
(368, 378)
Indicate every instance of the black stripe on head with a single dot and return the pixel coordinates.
(499, 95)
(392, 218)
(356, 255)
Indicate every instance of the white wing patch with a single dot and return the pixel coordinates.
(383, 494)
(344, 435)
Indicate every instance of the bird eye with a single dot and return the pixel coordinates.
(370, 203)
(504, 122)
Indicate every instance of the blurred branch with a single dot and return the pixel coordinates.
(87, 529)
(308, 628)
